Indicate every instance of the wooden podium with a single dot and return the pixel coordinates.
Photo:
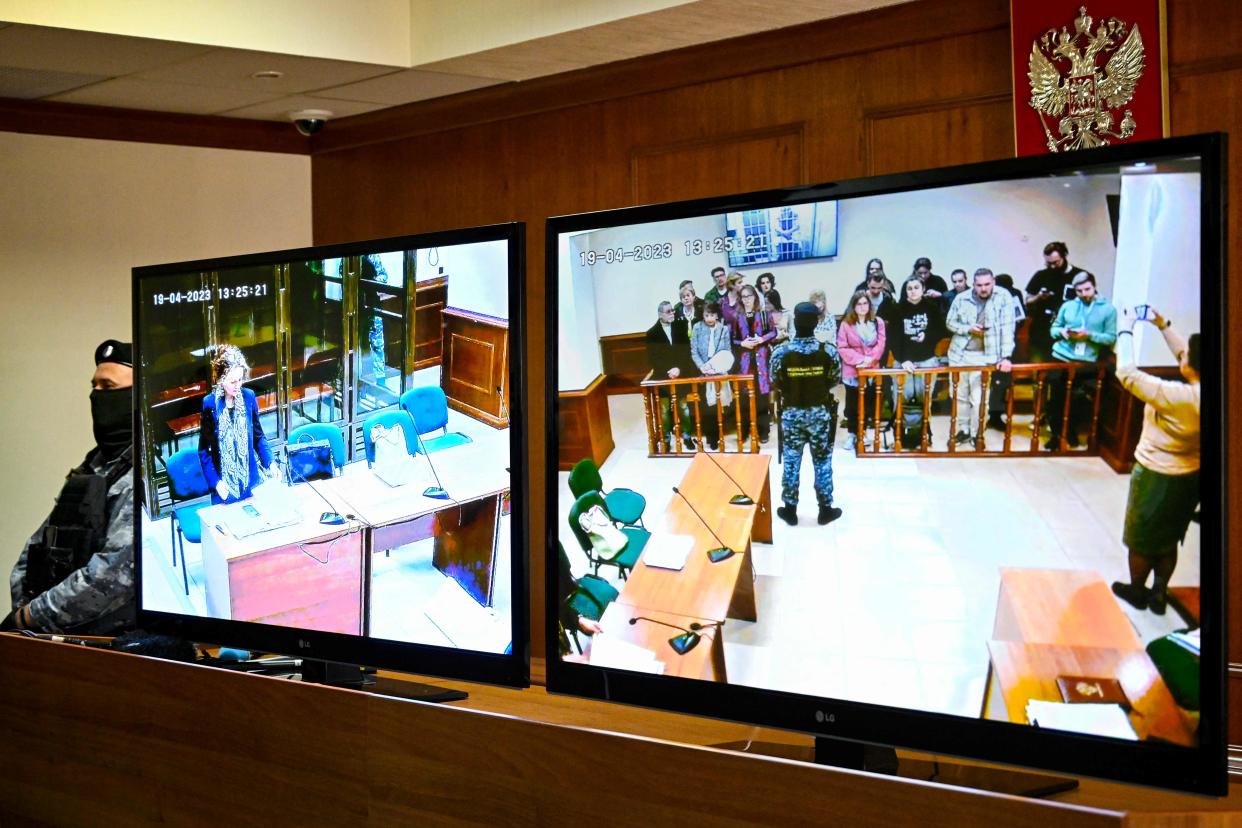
(91, 737)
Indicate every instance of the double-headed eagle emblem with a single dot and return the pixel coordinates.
(1087, 94)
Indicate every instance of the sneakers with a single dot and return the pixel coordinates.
(827, 514)
(688, 442)
(850, 442)
(789, 514)
(963, 438)
(1136, 596)
(997, 422)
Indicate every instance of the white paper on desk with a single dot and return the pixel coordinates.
(271, 506)
(667, 551)
(1094, 719)
(613, 652)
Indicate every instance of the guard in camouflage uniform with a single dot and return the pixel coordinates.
(805, 370)
(76, 573)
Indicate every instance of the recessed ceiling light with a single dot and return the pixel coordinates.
(268, 74)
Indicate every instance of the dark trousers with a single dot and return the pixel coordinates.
(851, 406)
(762, 411)
(1082, 395)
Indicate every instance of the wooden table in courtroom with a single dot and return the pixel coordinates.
(701, 591)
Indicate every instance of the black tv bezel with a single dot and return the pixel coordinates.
(512, 669)
(1202, 769)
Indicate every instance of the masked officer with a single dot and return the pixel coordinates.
(805, 370)
(76, 574)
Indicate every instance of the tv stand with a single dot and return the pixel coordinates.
(882, 760)
(354, 677)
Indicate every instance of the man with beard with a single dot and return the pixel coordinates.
(1045, 293)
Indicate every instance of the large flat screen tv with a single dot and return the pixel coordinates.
(1007, 541)
(331, 462)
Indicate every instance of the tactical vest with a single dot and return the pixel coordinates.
(76, 529)
(803, 379)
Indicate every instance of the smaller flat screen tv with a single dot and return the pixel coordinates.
(331, 462)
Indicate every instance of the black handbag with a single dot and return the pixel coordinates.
(309, 459)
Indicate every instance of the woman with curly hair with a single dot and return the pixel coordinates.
(231, 445)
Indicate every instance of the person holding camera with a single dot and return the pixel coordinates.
(1164, 484)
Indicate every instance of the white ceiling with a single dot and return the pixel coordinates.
(81, 67)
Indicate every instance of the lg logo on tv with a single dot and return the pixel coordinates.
(825, 718)
(303, 644)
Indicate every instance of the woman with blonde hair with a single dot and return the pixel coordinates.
(826, 327)
(231, 445)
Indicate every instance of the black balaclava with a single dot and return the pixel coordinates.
(112, 417)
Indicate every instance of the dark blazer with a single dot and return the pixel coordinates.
(209, 443)
(663, 355)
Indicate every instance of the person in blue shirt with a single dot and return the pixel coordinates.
(1083, 331)
(231, 445)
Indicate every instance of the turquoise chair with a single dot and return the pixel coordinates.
(322, 431)
(185, 482)
(388, 419)
(625, 505)
(590, 597)
(636, 538)
(429, 408)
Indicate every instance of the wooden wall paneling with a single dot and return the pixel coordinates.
(756, 160)
(924, 136)
(625, 361)
(115, 124)
(476, 357)
(584, 424)
(93, 737)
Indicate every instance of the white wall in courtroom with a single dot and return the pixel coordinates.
(1000, 225)
(478, 275)
(76, 215)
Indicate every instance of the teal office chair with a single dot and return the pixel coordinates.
(429, 408)
(388, 419)
(322, 431)
(185, 482)
(624, 560)
(590, 597)
(625, 505)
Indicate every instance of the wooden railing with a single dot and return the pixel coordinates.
(1037, 375)
(692, 391)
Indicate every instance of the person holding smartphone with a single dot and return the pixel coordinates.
(1047, 290)
(1164, 484)
(1083, 331)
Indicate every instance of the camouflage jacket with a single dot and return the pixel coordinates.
(99, 598)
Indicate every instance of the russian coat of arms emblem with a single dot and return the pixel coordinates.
(1068, 83)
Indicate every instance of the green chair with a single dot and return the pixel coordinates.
(624, 505)
(590, 596)
(636, 538)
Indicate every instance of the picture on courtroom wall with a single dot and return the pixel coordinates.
(326, 442)
(936, 449)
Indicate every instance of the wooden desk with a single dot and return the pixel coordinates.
(1029, 671)
(703, 589)
(1061, 606)
(705, 661)
(306, 575)
(464, 530)
(476, 364)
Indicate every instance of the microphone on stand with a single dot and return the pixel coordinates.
(681, 644)
(720, 553)
(437, 491)
(742, 499)
(504, 409)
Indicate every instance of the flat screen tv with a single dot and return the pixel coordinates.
(331, 462)
(982, 514)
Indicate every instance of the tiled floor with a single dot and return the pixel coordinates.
(894, 602)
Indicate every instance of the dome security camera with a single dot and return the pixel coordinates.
(310, 121)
